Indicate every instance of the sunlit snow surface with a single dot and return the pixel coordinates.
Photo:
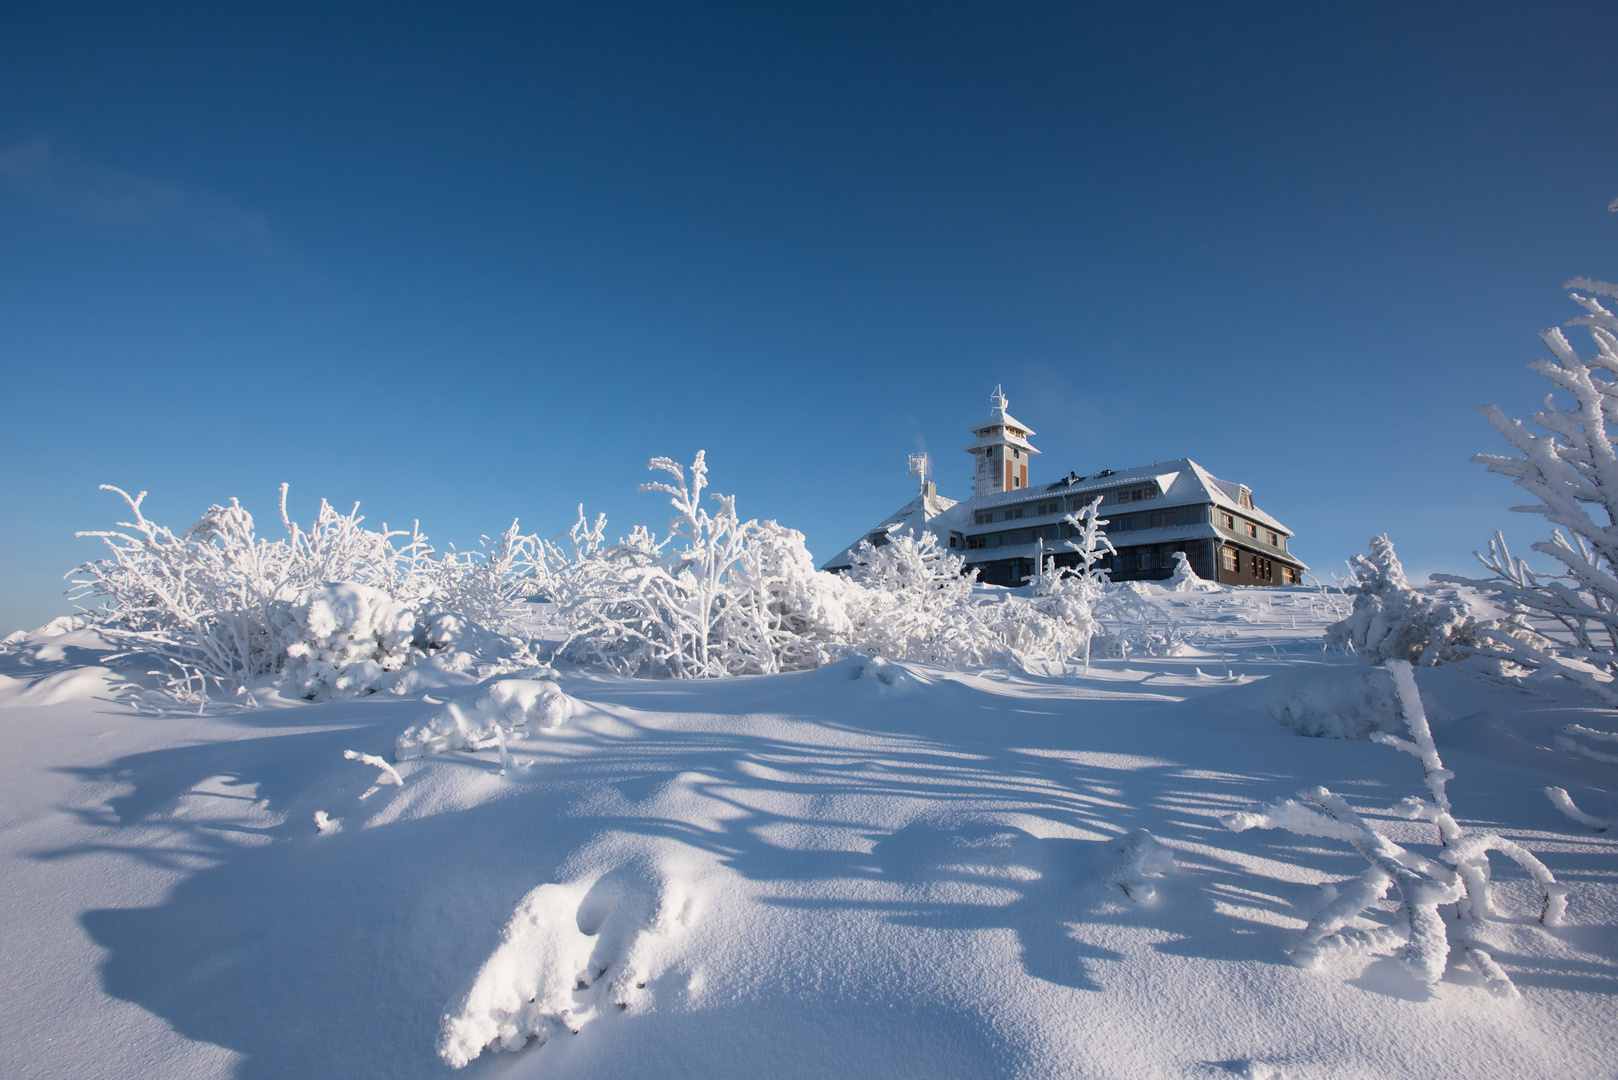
(865, 870)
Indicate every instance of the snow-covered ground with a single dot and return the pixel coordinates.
(868, 869)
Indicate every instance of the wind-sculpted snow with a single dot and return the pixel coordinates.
(501, 708)
(569, 953)
(877, 867)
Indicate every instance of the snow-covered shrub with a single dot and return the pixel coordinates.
(343, 639)
(1392, 620)
(1440, 899)
(334, 607)
(483, 586)
(718, 596)
(1571, 472)
(502, 707)
(913, 601)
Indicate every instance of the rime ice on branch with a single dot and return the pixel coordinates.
(1571, 473)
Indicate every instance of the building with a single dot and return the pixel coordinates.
(1151, 511)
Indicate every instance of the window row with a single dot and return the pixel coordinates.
(1271, 537)
(1059, 505)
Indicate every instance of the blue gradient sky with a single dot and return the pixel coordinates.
(470, 262)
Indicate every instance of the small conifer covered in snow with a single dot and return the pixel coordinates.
(1392, 620)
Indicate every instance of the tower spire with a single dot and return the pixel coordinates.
(1000, 450)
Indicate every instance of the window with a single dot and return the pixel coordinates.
(1125, 523)
(1271, 536)
(1247, 499)
(1146, 560)
(976, 542)
(1259, 566)
(1252, 530)
(981, 516)
(1230, 559)
(1160, 520)
(952, 541)
(1289, 575)
(1227, 521)
(1054, 506)
(1014, 512)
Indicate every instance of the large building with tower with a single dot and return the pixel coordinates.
(1152, 511)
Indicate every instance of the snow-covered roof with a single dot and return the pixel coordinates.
(918, 513)
(1181, 482)
(999, 417)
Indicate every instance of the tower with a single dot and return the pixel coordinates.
(1000, 450)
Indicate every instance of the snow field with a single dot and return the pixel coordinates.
(873, 868)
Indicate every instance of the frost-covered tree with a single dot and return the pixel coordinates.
(1392, 620)
(1570, 471)
(1092, 546)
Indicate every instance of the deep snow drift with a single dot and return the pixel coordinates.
(868, 869)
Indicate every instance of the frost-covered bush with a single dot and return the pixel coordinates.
(1571, 472)
(1441, 900)
(344, 639)
(718, 596)
(1391, 620)
(912, 600)
(484, 586)
(334, 608)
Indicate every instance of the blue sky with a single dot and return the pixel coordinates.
(469, 262)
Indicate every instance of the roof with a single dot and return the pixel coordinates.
(1182, 482)
(920, 511)
(998, 418)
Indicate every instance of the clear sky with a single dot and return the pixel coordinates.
(465, 262)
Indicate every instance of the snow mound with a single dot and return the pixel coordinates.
(1185, 579)
(502, 706)
(1345, 703)
(569, 951)
(70, 685)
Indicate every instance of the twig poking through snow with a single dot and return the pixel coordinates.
(1564, 802)
(389, 774)
(1144, 859)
